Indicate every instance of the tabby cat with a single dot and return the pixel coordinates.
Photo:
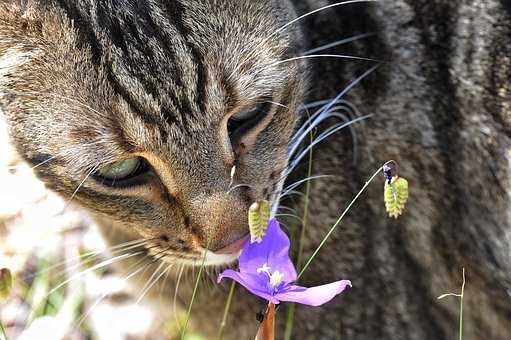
(139, 110)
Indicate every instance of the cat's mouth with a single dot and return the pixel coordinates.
(234, 247)
(203, 256)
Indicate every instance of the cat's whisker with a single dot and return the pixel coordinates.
(62, 153)
(284, 207)
(334, 114)
(318, 115)
(337, 43)
(151, 281)
(240, 186)
(298, 183)
(290, 215)
(291, 193)
(104, 295)
(169, 269)
(343, 102)
(176, 290)
(143, 268)
(93, 268)
(315, 56)
(303, 16)
(89, 257)
(322, 137)
(79, 186)
(250, 54)
(277, 104)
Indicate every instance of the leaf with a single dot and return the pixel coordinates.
(396, 196)
(258, 218)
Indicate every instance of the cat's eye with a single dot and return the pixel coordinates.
(245, 114)
(121, 171)
(245, 119)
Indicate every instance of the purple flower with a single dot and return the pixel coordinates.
(267, 271)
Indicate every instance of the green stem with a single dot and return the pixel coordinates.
(461, 306)
(332, 229)
(291, 308)
(195, 288)
(226, 311)
(3, 335)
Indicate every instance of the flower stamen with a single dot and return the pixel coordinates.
(276, 277)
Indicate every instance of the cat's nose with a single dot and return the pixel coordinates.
(220, 220)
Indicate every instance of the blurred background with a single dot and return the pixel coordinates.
(46, 244)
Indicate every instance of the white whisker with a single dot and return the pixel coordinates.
(240, 186)
(319, 114)
(322, 137)
(87, 258)
(337, 43)
(80, 185)
(174, 303)
(298, 183)
(150, 282)
(290, 215)
(301, 17)
(315, 56)
(104, 295)
(93, 268)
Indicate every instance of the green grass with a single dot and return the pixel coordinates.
(3, 336)
(291, 307)
(226, 311)
(460, 296)
(192, 300)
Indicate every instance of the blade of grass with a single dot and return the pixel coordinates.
(3, 336)
(339, 220)
(443, 296)
(461, 306)
(226, 311)
(195, 288)
(291, 307)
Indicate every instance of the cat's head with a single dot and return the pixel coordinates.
(139, 110)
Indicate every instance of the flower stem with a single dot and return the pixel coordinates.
(266, 330)
(195, 288)
(226, 311)
(336, 224)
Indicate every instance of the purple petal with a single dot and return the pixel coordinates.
(273, 251)
(256, 284)
(314, 296)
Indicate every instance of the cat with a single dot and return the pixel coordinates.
(140, 112)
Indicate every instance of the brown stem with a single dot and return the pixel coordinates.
(267, 328)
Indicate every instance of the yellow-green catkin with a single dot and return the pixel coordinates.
(396, 196)
(5, 283)
(258, 218)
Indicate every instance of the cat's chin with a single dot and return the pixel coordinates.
(211, 259)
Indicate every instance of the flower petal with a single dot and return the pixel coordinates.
(272, 251)
(314, 296)
(256, 284)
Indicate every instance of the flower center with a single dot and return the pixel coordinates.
(276, 277)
